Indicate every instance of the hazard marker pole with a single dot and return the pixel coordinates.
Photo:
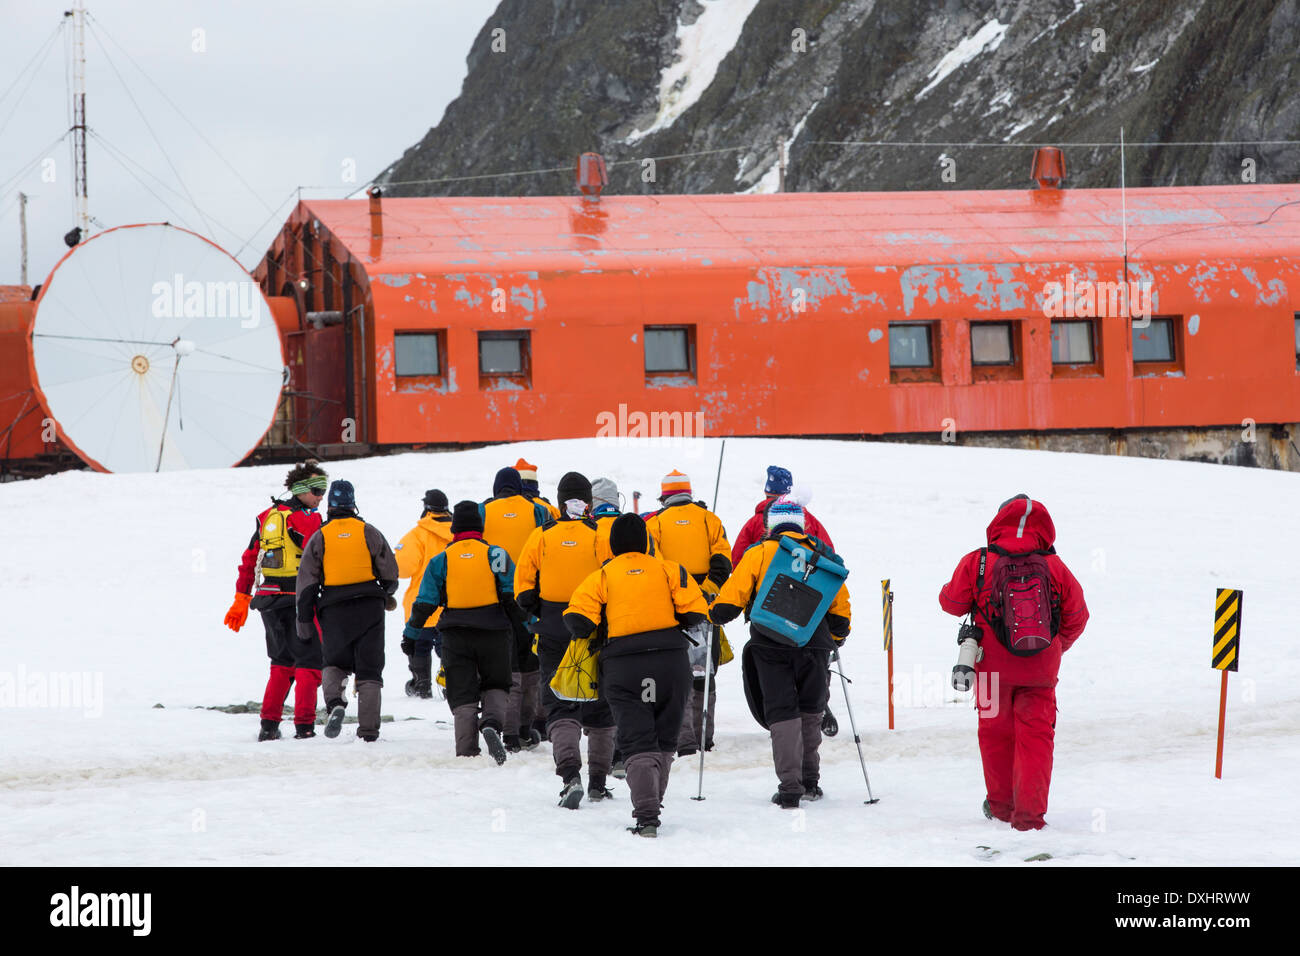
(1224, 657)
(887, 614)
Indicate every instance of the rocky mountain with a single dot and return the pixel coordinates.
(727, 80)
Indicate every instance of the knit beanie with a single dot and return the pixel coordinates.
(674, 483)
(784, 515)
(466, 517)
(628, 533)
(342, 496)
(435, 500)
(779, 481)
(574, 485)
(527, 476)
(506, 483)
(604, 492)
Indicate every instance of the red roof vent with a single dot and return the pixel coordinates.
(591, 174)
(376, 213)
(1049, 167)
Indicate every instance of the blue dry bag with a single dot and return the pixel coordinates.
(797, 590)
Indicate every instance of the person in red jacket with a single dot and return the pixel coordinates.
(273, 554)
(1016, 695)
(779, 483)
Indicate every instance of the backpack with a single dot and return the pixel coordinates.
(797, 589)
(1024, 610)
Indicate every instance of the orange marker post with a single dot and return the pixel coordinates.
(887, 612)
(1227, 640)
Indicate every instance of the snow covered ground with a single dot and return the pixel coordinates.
(127, 577)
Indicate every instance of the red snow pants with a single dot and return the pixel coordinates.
(1017, 729)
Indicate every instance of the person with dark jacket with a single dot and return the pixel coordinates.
(345, 584)
(509, 519)
(553, 562)
(779, 484)
(418, 547)
(1016, 695)
(274, 552)
(785, 684)
(469, 586)
(638, 604)
(685, 531)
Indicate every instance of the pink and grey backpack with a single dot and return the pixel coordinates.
(1024, 609)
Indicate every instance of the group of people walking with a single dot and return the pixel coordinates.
(502, 591)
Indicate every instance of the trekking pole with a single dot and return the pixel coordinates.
(856, 739)
(704, 716)
(717, 481)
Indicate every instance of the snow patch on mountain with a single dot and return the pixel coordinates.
(987, 39)
(701, 48)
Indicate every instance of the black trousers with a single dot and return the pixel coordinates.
(648, 693)
(792, 679)
(475, 660)
(523, 660)
(282, 644)
(594, 714)
(353, 636)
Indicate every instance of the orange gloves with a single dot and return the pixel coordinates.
(238, 612)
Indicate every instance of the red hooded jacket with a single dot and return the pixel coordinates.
(755, 530)
(1020, 526)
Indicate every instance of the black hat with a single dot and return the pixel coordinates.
(342, 496)
(435, 500)
(628, 533)
(574, 486)
(507, 483)
(466, 517)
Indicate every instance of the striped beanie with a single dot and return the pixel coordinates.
(784, 513)
(674, 483)
(527, 476)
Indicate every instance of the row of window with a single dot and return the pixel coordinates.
(1075, 343)
(505, 358)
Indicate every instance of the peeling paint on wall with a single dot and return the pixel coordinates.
(875, 335)
(395, 281)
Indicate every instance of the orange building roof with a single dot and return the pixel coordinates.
(454, 234)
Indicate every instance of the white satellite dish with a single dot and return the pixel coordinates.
(153, 350)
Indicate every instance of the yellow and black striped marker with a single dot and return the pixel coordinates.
(1227, 629)
(887, 612)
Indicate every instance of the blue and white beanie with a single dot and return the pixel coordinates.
(779, 481)
(785, 515)
(342, 497)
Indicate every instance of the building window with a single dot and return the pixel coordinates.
(417, 353)
(911, 345)
(669, 350)
(504, 359)
(992, 343)
(1073, 343)
(1155, 343)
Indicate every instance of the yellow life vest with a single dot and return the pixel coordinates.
(507, 523)
(280, 555)
(568, 555)
(683, 536)
(638, 596)
(347, 559)
(471, 582)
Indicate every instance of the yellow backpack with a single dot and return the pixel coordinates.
(280, 555)
(577, 677)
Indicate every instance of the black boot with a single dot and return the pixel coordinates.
(270, 730)
(421, 670)
(303, 731)
(334, 723)
(596, 789)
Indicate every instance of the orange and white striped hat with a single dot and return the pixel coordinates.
(526, 471)
(674, 483)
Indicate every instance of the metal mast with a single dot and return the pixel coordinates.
(78, 15)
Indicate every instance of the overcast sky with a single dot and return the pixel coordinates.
(290, 93)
